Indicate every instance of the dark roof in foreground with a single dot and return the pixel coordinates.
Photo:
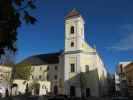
(50, 58)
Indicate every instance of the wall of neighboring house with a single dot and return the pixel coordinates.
(129, 77)
(44, 87)
(117, 82)
(49, 72)
(39, 72)
(61, 74)
(55, 76)
(122, 78)
(5, 75)
(5, 78)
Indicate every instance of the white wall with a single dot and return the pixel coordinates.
(22, 86)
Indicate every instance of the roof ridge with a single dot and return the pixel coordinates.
(48, 58)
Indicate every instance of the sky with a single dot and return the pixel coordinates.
(108, 26)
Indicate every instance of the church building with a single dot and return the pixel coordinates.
(78, 70)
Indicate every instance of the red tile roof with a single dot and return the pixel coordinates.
(73, 13)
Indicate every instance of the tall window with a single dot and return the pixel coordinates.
(121, 68)
(72, 90)
(56, 67)
(55, 89)
(81, 31)
(47, 77)
(32, 77)
(55, 77)
(48, 68)
(40, 77)
(86, 68)
(40, 68)
(72, 29)
(72, 67)
(33, 68)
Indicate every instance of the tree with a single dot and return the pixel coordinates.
(82, 83)
(11, 13)
(35, 86)
(23, 71)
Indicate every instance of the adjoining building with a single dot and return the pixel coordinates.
(5, 78)
(78, 70)
(44, 68)
(129, 77)
(117, 84)
(121, 78)
(111, 85)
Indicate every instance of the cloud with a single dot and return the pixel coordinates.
(127, 27)
(125, 43)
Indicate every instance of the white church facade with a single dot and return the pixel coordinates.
(77, 70)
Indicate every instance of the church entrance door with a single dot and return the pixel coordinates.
(87, 92)
(72, 91)
(55, 89)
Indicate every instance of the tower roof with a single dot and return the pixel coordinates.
(73, 13)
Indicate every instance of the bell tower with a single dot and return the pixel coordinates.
(74, 39)
(74, 31)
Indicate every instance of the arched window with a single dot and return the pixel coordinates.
(72, 29)
(55, 77)
(56, 67)
(72, 90)
(55, 89)
(40, 77)
(72, 44)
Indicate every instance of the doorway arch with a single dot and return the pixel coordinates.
(55, 89)
(72, 91)
(36, 87)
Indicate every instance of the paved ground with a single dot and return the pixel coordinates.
(49, 98)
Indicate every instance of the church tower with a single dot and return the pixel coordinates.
(74, 39)
(74, 31)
